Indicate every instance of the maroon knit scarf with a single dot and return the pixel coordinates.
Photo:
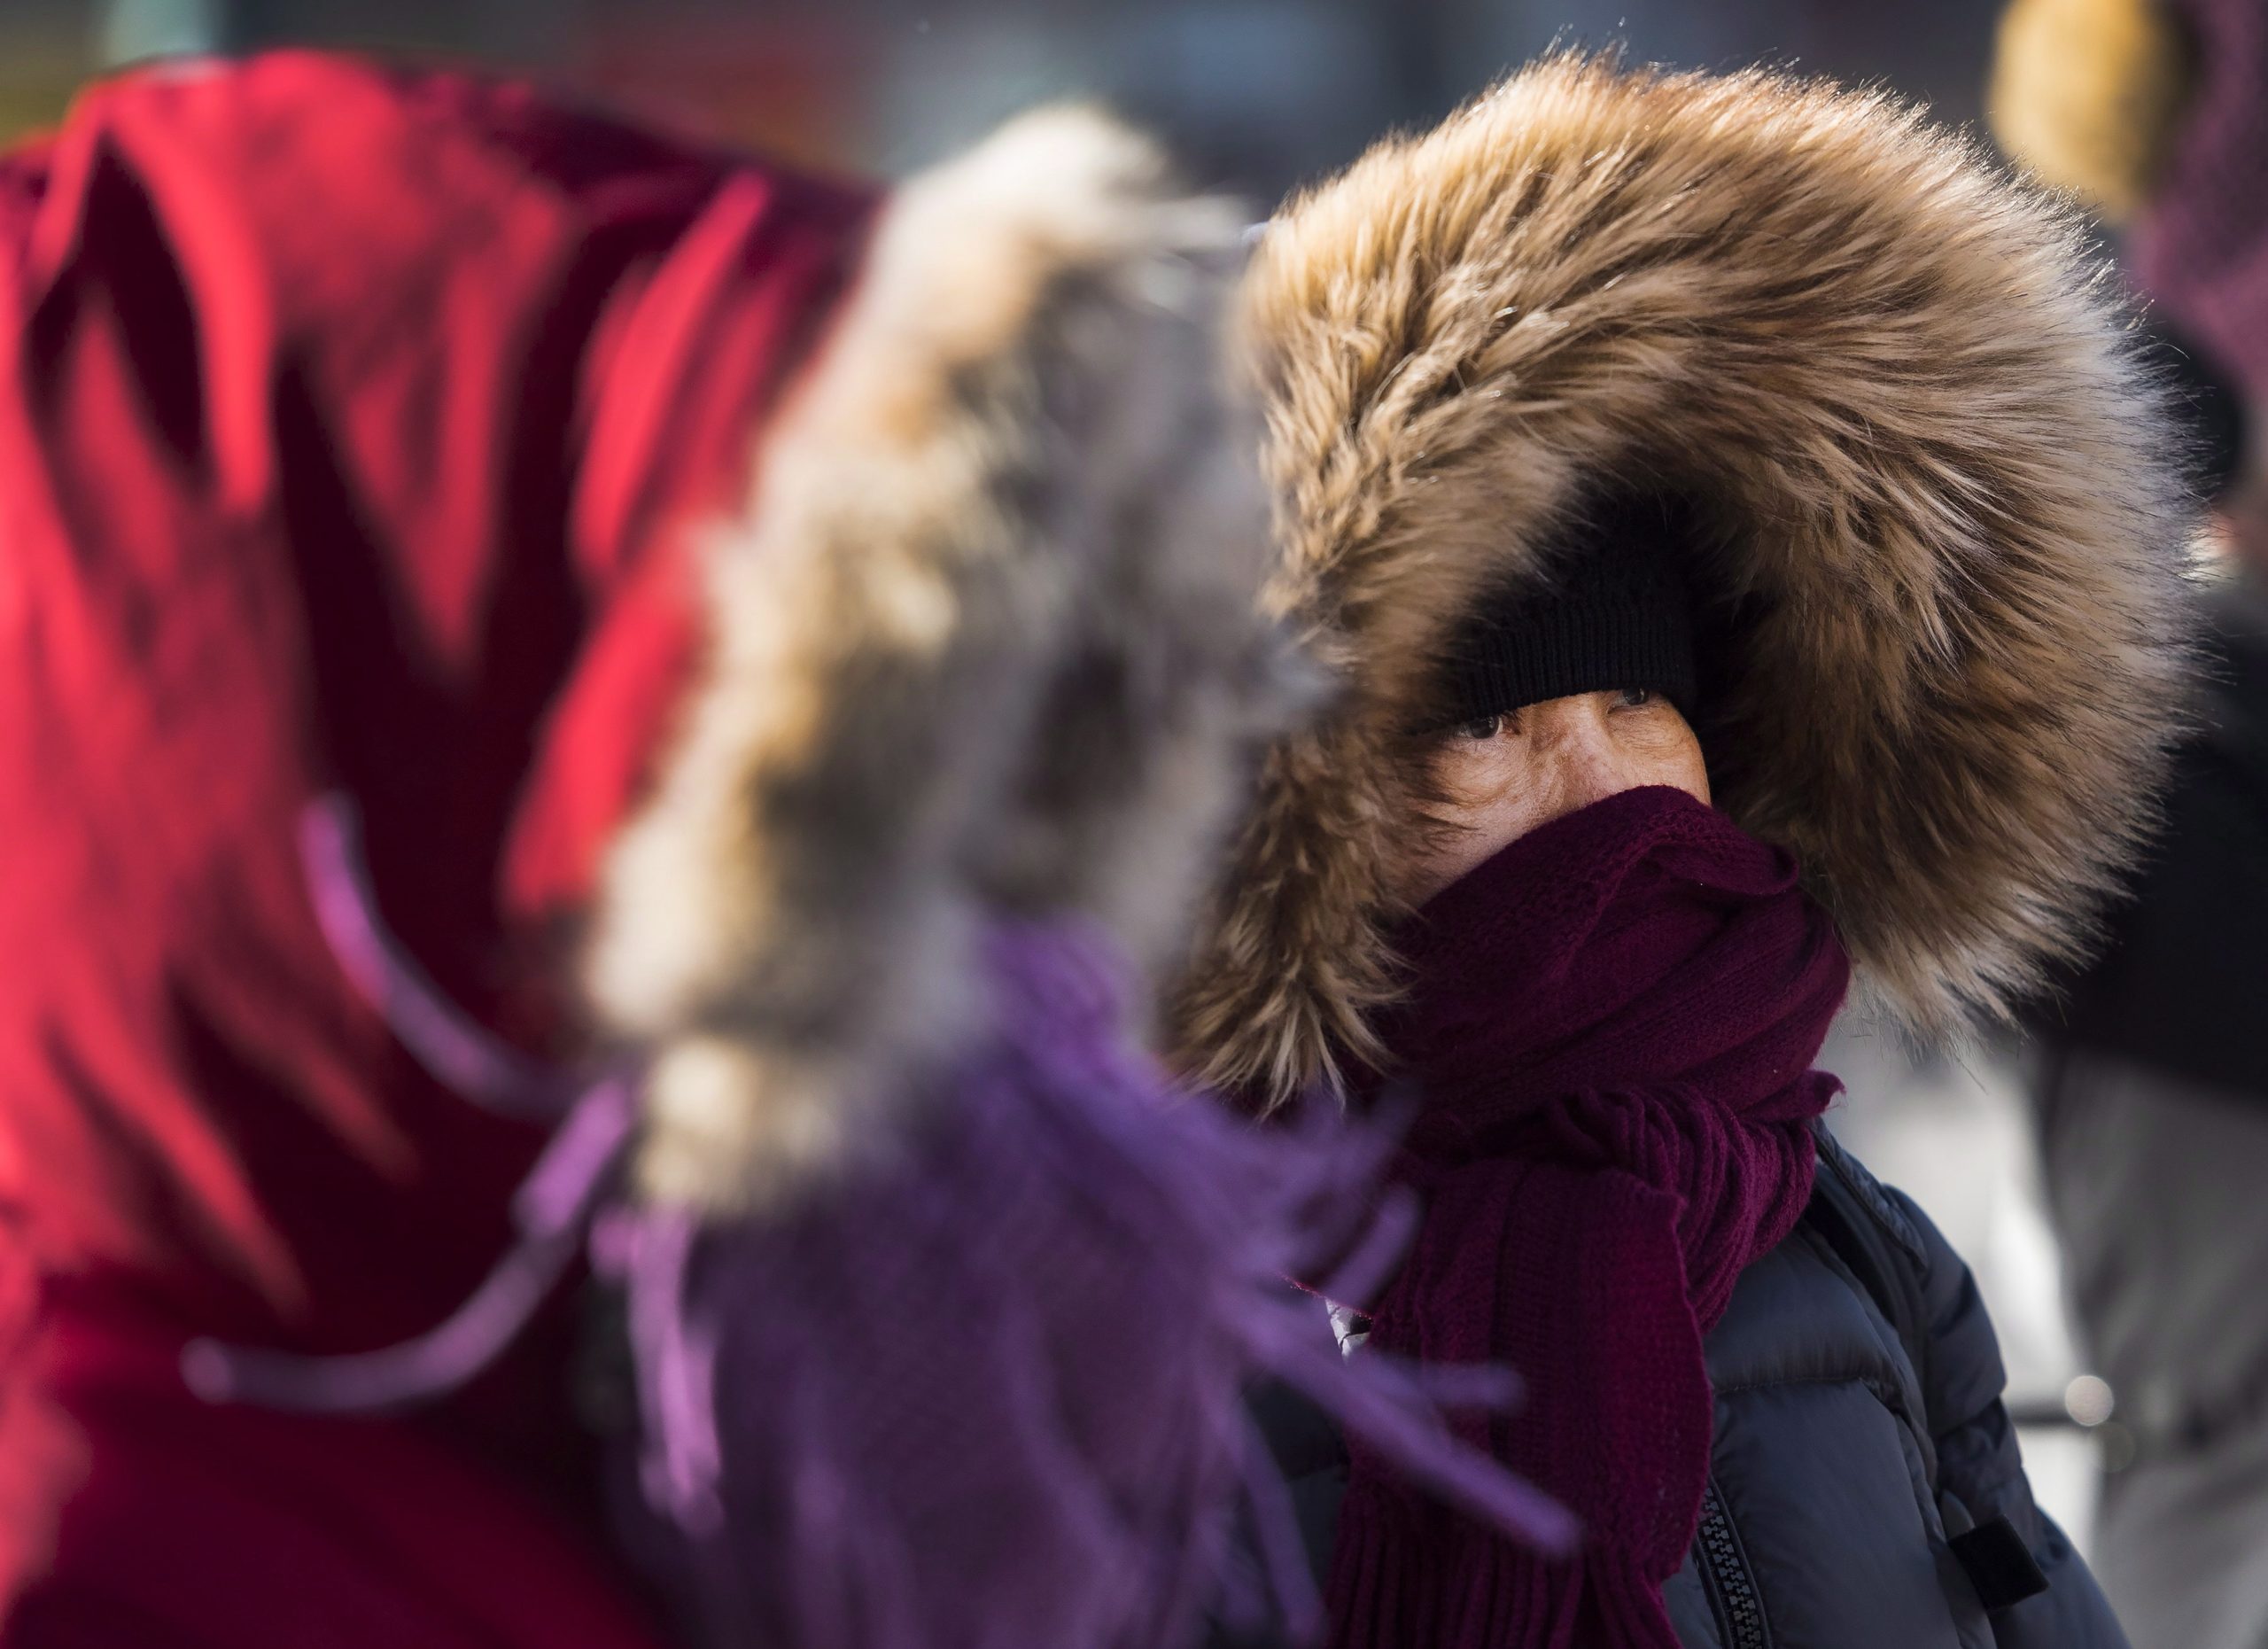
(1610, 1031)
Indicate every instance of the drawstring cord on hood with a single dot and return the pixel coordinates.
(552, 1209)
(458, 1054)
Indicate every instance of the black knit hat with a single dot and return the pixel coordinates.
(1613, 612)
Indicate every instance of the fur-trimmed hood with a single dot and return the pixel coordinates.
(1906, 406)
(988, 643)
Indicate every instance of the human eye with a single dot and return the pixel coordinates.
(1479, 728)
(1634, 698)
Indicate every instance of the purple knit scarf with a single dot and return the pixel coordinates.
(1611, 1032)
(983, 1387)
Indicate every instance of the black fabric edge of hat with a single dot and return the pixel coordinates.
(1618, 615)
(1571, 651)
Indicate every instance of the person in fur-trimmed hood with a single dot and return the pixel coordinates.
(1743, 532)
(414, 459)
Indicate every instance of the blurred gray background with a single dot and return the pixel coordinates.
(1255, 93)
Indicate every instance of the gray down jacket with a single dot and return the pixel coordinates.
(1864, 1488)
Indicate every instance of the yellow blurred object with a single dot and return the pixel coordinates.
(2089, 93)
(41, 70)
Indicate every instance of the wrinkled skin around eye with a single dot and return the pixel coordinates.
(1503, 777)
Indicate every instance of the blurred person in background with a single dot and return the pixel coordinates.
(2151, 1069)
(1748, 537)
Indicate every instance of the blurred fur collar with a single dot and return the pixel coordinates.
(987, 642)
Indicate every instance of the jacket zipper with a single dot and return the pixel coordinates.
(1732, 1588)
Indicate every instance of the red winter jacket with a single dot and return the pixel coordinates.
(350, 425)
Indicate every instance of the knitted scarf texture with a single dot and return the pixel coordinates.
(1610, 1029)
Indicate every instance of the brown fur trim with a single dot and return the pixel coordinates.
(1899, 393)
(988, 645)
